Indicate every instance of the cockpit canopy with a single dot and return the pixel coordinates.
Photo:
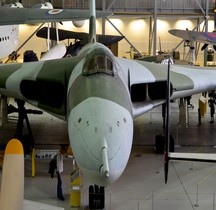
(99, 60)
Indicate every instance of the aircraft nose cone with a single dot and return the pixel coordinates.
(101, 134)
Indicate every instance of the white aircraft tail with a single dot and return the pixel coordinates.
(12, 183)
(92, 22)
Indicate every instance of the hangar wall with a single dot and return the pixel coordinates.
(135, 29)
(132, 18)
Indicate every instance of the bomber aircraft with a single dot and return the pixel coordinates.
(99, 95)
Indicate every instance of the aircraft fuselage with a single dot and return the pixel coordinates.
(9, 36)
(100, 123)
(91, 93)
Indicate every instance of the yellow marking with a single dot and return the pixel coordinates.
(33, 162)
(14, 146)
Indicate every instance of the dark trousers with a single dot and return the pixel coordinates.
(59, 186)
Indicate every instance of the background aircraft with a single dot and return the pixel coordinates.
(10, 17)
(9, 36)
(196, 36)
(99, 95)
(9, 39)
(13, 16)
(81, 38)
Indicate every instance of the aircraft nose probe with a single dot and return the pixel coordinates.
(101, 142)
(104, 169)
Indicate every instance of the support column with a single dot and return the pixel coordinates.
(150, 36)
(206, 30)
(103, 19)
(155, 28)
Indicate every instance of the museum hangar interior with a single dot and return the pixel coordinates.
(144, 25)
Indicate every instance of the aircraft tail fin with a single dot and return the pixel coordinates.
(12, 183)
(58, 51)
(92, 22)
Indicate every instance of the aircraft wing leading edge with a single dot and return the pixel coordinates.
(14, 16)
(34, 83)
(41, 83)
(185, 80)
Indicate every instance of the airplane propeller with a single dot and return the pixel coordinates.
(167, 129)
(204, 47)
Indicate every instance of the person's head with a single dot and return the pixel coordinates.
(63, 149)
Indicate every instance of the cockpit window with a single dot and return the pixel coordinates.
(109, 64)
(99, 64)
(91, 64)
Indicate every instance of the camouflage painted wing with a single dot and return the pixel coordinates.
(14, 16)
(42, 83)
(185, 80)
(147, 83)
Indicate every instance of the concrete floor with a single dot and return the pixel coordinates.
(190, 185)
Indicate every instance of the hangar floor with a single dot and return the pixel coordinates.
(190, 185)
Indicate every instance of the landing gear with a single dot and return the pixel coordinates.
(26, 139)
(96, 197)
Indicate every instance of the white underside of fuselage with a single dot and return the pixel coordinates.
(92, 122)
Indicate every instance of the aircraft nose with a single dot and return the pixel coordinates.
(100, 132)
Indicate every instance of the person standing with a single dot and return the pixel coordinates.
(59, 170)
(212, 109)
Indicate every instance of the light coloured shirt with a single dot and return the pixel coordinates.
(59, 162)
